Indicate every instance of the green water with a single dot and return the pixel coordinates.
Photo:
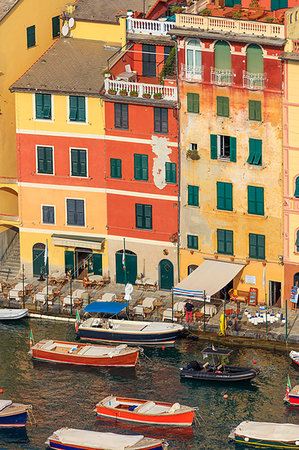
(66, 396)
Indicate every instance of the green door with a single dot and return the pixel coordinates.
(38, 258)
(69, 264)
(222, 56)
(166, 274)
(255, 59)
(129, 275)
(97, 263)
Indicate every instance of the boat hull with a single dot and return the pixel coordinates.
(13, 420)
(13, 314)
(60, 446)
(222, 377)
(265, 443)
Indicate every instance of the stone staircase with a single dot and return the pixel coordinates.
(10, 266)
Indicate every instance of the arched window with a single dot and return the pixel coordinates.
(291, 18)
(296, 279)
(255, 60)
(296, 16)
(222, 56)
(193, 58)
(296, 193)
(297, 241)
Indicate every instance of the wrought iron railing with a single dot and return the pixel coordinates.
(221, 77)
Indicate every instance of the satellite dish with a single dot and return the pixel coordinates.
(128, 291)
(65, 29)
(71, 22)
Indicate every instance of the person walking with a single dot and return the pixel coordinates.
(188, 308)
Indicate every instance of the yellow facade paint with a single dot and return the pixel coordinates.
(106, 32)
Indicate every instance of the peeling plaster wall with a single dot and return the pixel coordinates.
(161, 150)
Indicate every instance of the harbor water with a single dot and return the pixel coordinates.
(66, 395)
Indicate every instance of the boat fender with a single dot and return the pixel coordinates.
(246, 439)
(297, 442)
(175, 407)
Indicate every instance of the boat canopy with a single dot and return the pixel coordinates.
(105, 307)
(210, 277)
(216, 351)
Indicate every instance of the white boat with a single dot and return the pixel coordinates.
(12, 314)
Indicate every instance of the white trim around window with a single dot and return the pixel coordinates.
(72, 122)
(52, 109)
(36, 160)
(70, 162)
(46, 223)
(75, 198)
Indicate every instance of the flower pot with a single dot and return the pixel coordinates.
(216, 256)
(191, 251)
(232, 258)
(111, 92)
(123, 93)
(157, 98)
(133, 95)
(195, 157)
(146, 96)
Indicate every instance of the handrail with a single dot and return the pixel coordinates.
(8, 247)
(116, 53)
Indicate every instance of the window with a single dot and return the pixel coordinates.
(193, 199)
(255, 110)
(255, 152)
(78, 163)
(31, 36)
(170, 172)
(48, 214)
(224, 196)
(296, 193)
(192, 241)
(222, 56)
(167, 50)
(279, 4)
(193, 58)
(225, 243)
(222, 106)
(75, 212)
(192, 103)
(115, 168)
(140, 167)
(297, 242)
(121, 116)
(55, 27)
(256, 246)
(193, 146)
(161, 120)
(255, 200)
(43, 109)
(255, 60)
(45, 160)
(223, 147)
(148, 60)
(77, 109)
(231, 3)
(143, 216)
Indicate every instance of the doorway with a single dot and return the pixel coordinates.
(38, 260)
(274, 293)
(83, 262)
(126, 270)
(165, 274)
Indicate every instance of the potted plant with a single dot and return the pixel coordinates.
(133, 94)
(123, 92)
(192, 154)
(146, 95)
(237, 15)
(157, 95)
(112, 91)
(107, 73)
(206, 12)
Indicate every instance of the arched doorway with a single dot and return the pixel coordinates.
(165, 274)
(38, 259)
(296, 279)
(126, 268)
(83, 262)
(191, 268)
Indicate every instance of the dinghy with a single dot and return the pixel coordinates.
(266, 434)
(12, 314)
(13, 414)
(71, 438)
(84, 354)
(144, 411)
(295, 358)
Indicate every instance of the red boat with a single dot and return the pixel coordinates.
(144, 411)
(85, 354)
(295, 358)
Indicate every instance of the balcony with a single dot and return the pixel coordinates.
(141, 90)
(143, 26)
(254, 81)
(191, 73)
(221, 77)
(227, 25)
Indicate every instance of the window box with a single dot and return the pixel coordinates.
(157, 95)
(146, 95)
(112, 91)
(192, 154)
(123, 92)
(133, 94)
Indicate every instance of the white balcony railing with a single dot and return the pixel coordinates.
(254, 81)
(221, 77)
(223, 24)
(192, 73)
(142, 89)
(154, 27)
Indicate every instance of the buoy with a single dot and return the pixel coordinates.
(254, 362)
(1, 391)
(225, 396)
(163, 347)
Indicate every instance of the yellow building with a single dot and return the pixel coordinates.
(27, 29)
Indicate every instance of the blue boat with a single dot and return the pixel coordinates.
(13, 415)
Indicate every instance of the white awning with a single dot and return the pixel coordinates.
(210, 276)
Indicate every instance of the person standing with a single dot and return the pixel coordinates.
(189, 307)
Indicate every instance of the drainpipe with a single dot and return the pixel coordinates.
(179, 156)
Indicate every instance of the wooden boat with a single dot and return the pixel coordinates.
(12, 414)
(216, 370)
(12, 314)
(292, 397)
(129, 331)
(144, 411)
(266, 434)
(295, 358)
(73, 439)
(84, 354)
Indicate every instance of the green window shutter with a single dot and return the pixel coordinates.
(137, 167)
(170, 172)
(39, 106)
(192, 241)
(193, 197)
(148, 217)
(45, 160)
(69, 258)
(252, 245)
(82, 163)
(139, 215)
(255, 110)
(81, 110)
(255, 59)
(260, 201)
(73, 108)
(31, 36)
(192, 102)
(224, 196)
(220, 241)
(115, 168)
(213, 141)
(46, 106)
(297, 242)
(75, 162)
(144, 167)
(55, 27)
(255, 152)
(233, 149)
(190, 195)
(222, 56)
(251, 151)
(118, 168)
(251, 199)
(220, 195)
(255, 200)
(222, 106)
(296, 193)
(256, 246)
(49, 159)
(97, 263)
(229, 236)
(40, 159)
(260, 246)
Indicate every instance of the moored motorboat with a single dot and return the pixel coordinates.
(71, 438)
(266, 434)
(292, 394)
(144, 411)
(13, 414)
(12, 314)
(216, 370)
(295, 358)
(84, 354)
